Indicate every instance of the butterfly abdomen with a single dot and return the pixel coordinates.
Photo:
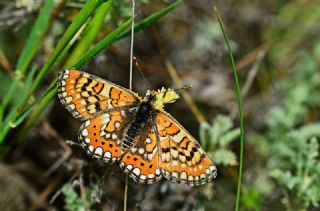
(142, 116)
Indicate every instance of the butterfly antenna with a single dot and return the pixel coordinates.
(141, 72)
(185, 87)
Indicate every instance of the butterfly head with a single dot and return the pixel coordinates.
(161, 96)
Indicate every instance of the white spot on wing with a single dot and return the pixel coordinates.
(141, 151)
(136, 171)
(72, 106)
(114, 136)
(84, 132)
(129, 167)
(143, 177)
(98, 151)
(117, 124)
(157, 172)
(91, 148)
(87, 123)
(87, 140)
(107, 154)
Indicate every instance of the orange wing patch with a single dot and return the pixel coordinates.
(101, 135)
(182, 158)
(141, 161)
(86, 95)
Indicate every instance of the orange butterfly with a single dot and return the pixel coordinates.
(122, 127)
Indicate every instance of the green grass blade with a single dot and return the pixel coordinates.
(29, 51)
(38, 107)
(109, 39)
(36, 36)
(151, 19)
(239, 101)
(7, 124)
(90, 34)
(80, 19)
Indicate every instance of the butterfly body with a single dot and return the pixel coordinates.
(120, 126)
(144, 114)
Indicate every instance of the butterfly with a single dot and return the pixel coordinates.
(120, 126)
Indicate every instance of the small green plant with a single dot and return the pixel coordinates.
(216, 139)
(290, 143)
(72, 200)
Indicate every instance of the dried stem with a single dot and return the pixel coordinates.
(130, 87)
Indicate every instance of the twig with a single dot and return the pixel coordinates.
(67, 151)
(251, 76)
(5, 62)
(45, 193)
(131, 45)
(186, 96)
(177, 81)
(130, 87)
(252, 73)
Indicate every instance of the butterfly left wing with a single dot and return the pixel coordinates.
(86, 95)
(182, 159)
(141, 161)
(101, 135)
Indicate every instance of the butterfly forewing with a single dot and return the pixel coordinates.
(182, 160)
(86, 95)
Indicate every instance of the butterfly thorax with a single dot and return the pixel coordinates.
(140, 120)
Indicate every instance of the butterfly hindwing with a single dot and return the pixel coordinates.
(141, 161)
(101, 135)
(182, 158)
(86, 95)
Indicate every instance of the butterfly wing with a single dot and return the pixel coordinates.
(182, 159)
(141, 161)
(86, 95)
(101, 136)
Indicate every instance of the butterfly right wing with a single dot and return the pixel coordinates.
(182, 158)
(86, 95)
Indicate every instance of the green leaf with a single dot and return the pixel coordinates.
(229, 137)
(90, 34)
(224, 157)
(36, 36)
(203, 133)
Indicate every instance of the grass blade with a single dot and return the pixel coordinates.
(36, 36)
(239, 101)
(90, 34)
(37, 107)
(108, 40)
(29, 51)
(10, 118)
(80, 19)
(150, 19)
